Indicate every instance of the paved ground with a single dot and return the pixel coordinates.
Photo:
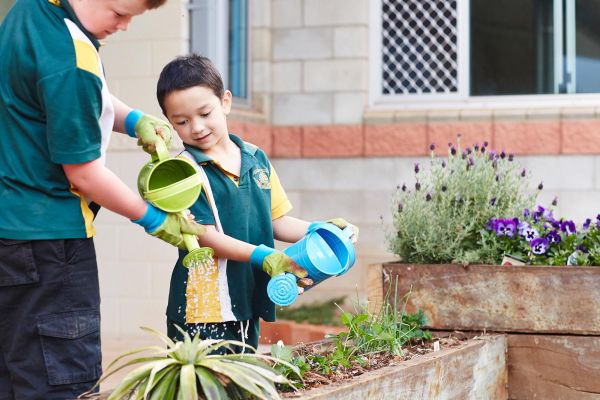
(112, 347)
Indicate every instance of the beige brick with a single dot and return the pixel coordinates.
(348, 107)
(261, 76)
(287, 77)
(260, 48)
(260, 13)
(294, 109)
(167, 22)
(286, 13)
(119, 66)
(302, 44)
(335, 75)
(164, 51)
(351, 42)
(335, 12)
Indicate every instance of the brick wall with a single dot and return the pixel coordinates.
(335, 157)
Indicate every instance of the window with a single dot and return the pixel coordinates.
(219, 30)
(468, 49)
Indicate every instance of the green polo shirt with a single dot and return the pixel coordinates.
(247, 205)
(55, 109)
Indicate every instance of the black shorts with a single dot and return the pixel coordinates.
(49, 319)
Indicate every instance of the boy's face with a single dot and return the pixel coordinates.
(105, 17)
(198, 115)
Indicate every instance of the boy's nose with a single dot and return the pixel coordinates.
(124, 24)
(198, 125)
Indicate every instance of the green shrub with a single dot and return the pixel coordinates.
(441, 218)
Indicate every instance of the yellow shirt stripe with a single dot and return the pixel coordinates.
(87, 57)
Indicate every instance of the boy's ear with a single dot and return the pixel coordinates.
(226, 101)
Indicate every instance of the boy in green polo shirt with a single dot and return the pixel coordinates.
(245, 209)
(56, 117)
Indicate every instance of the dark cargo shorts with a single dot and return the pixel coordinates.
(49, 319)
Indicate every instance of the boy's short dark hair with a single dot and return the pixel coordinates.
(155, 3)
(186, 72)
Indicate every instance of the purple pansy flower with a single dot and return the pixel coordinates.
(568, 227)
(539, 245)
(490, 224)
(586, 224)
(505, 227)
(553, 237)
(522, 227)
(526, 212)
(530, 234)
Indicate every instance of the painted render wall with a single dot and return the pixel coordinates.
(310, 87)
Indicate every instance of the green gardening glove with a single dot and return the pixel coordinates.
(147, 128)
(274, 263)
(342, 224)
(169, 227)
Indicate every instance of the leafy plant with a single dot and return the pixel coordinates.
(187, 370)
(386, 331)
(441, 217)
(324, 313)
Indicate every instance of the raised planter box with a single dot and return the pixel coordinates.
(476, 370)
(552, 315)
(291, 332)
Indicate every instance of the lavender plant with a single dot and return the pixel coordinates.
(441, 218)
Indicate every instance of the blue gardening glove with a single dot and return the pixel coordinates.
(342, 224)
(274, 263)
(146, 128)
(169, 227)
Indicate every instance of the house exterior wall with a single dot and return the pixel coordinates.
(335, 154)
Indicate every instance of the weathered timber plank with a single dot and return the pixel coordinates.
(553, 367)
(475, 371)
(506, 299)
(375, 287)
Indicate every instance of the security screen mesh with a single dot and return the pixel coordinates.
(419, 46)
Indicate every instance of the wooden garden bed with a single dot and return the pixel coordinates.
(551, 315)
(475, 370)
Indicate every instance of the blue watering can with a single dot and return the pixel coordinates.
(324, 251)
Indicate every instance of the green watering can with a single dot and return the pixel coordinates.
(173, 184)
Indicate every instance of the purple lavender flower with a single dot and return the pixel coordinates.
(526, 212)
(539, 245)
(404, 187)
(586, 224)
(444, 188)
(524, 172)
(553, 237)
(555, 201)
(485, 144)
(443, 164)
(417, 168)
(432, 146)
(476, 147)
(502, 155)
(541, 186)
(400, 207)
(428, 197)
(417, 186)
(453, 150)
(568, 227)
(493, 201)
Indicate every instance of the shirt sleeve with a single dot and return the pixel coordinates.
(280, 204)
(72, 100)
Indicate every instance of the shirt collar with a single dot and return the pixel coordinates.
(64, 4)
(202, 158)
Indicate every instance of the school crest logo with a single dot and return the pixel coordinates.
(261, 177)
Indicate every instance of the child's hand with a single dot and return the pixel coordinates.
(342, 224)
(274, 263)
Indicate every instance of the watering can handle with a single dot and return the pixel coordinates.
(161, 152)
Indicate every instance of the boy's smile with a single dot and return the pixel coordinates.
(198, 115)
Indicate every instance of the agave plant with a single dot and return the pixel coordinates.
(187, 370)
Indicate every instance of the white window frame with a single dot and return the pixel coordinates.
(214, 42)
(460, 99)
